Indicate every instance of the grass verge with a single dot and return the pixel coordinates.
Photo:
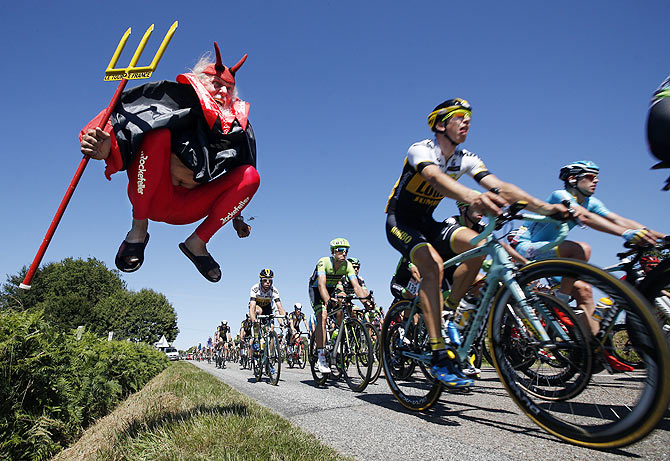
(187, 414)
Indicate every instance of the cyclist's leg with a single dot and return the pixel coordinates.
(466, 272)
(415, 247)
(581, 291)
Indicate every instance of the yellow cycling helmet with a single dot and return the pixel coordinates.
(448, 109)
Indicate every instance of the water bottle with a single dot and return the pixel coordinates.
(453, 333)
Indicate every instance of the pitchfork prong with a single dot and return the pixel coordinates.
(117, 52)
(132, 71)
(140, 47)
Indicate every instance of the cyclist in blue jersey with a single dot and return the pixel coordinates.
(580, 181)
(431, 172)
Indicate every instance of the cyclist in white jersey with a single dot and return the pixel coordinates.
(263, 297)
(431, 172)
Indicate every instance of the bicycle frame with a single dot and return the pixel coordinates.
(501, 271)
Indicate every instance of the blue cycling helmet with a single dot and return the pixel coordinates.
(578, 168)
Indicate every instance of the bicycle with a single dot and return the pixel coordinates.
(348, 350)
(297, 353)
(267, 358)
(654, 285)
(372, 320)
(547, 361)
(244, 353)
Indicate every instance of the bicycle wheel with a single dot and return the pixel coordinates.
(274, 358)
(614, 410)
(301, 354)
(257, 365)
(319, 377)
(401, 352)
(375, 337)
(355, 357)
(556, 371)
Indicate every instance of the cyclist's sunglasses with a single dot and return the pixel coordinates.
(341, 250)
(589, 176)
(266, 280)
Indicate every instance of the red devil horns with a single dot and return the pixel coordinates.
(219, 63)
(220, 69)
(236, 67)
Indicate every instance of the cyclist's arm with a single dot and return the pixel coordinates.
(512, 193)
(360, 291)
(630, 224)
(252, 309)
(323, 290)
(599, 223)
(451, 188)
(280, 308)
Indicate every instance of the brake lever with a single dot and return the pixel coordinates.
(571, 211)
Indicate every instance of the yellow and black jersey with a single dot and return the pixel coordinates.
(264, 298)
(412, 195)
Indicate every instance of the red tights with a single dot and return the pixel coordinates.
(154, 197)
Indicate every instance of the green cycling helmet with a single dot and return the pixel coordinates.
(339, 243)
(354, 262)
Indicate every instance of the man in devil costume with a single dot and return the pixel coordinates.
(190, 153)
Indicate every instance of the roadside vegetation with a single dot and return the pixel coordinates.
(187, 414)
(59, 373)
(53, 385)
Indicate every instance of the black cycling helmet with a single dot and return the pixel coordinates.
(266, 274)
(658, 128)
(444, 111)
(658, 124)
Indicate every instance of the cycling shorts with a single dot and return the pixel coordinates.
(406, 236)
(316, 300)
(531, 250)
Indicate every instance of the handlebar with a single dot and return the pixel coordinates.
(512, 213)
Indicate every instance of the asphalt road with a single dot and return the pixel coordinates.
(482, 425)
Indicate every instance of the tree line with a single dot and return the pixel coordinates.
(75, 292)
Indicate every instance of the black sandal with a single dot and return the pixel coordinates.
(128, 250)
(204, 264)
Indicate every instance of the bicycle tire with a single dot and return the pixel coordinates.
(355, 356)
(302, 353)
(375, 338)
(273, 358)
(319, 378)
(408, 385)
(257, 365)
(596, 418)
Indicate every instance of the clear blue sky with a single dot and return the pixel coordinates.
(338, 92)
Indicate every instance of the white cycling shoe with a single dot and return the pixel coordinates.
(321, 365)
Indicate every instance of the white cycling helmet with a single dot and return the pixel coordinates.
(297, 307)
(224, 322)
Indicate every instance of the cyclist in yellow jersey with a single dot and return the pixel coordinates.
(322, 284)
(431, 172)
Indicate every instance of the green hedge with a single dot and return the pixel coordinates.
(53, 386)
